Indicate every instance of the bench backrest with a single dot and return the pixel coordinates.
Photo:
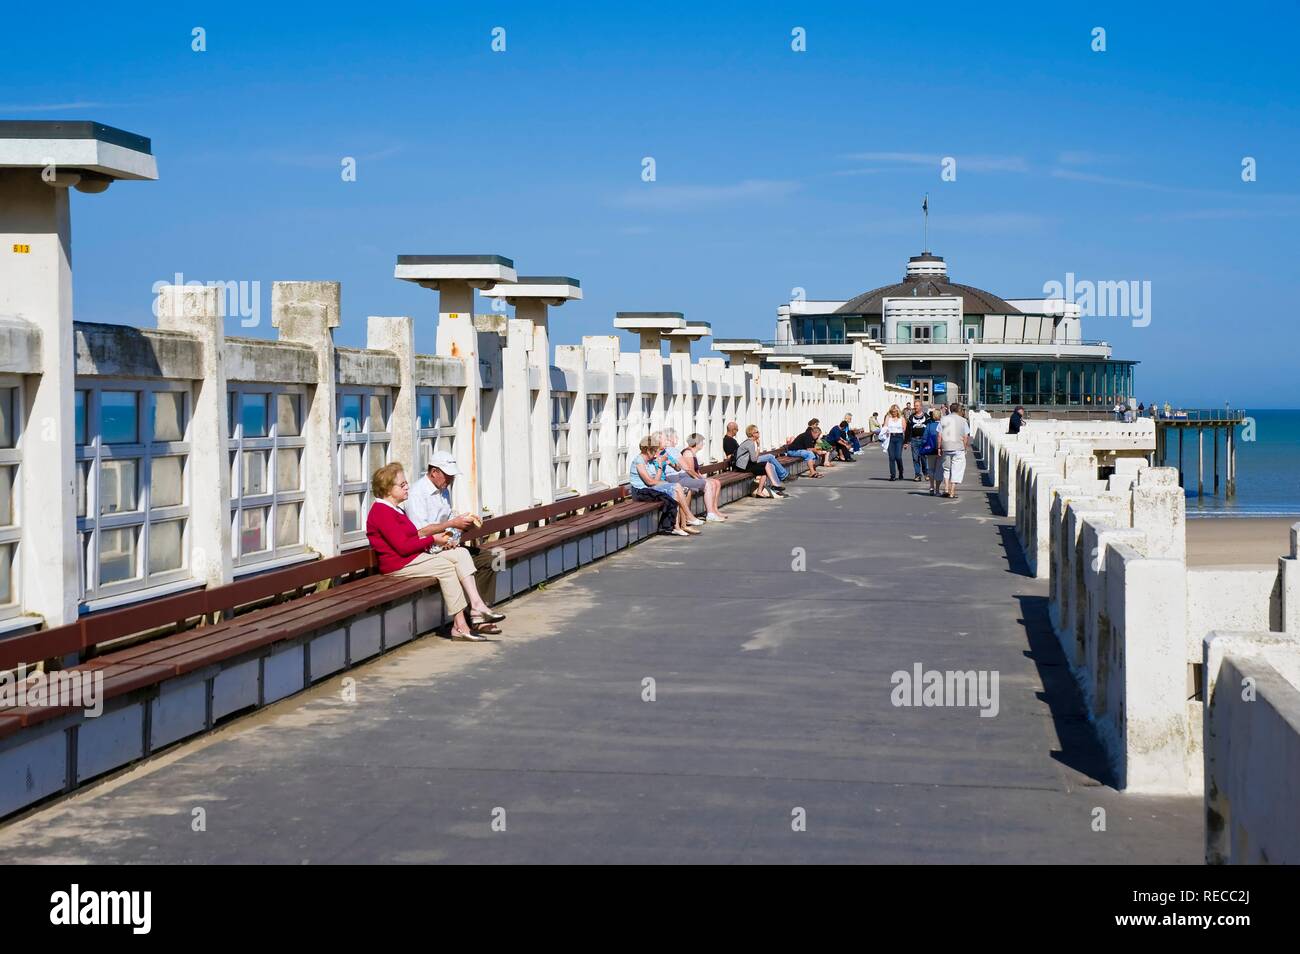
(97, 628)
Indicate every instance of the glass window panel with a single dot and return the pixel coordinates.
(287, 475)
(255, 463)
(117, 554)
(168, 416)
(165, 552)
(350, 413)
(83, 479)
(424, 411)
(286, 524)
(378, 453)
(7, 407)
(79, 416)
(165, 482)
(352, 462)
(117, 485)
(7, 475)
(252, 530)
(6, 573)
(119, 413)
(288, 422)
(352, 504)
(378, 413)
(252, 414)
(447, 410)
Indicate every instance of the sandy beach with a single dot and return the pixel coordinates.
(1236, 541)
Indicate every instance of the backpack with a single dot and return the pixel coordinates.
(930, 445)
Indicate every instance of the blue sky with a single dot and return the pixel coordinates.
(775, 169)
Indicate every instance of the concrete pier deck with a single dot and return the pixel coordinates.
(772, 695)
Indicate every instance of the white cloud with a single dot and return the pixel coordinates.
(965, 163)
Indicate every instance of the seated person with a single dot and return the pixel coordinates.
(673, 471)
(839, 443)
(852, 438)
(690, 458)
(747, 459)
(404, 551)
(429, 507)
(802, 447)
(648, 484)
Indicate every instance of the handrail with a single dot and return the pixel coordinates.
(963, 341)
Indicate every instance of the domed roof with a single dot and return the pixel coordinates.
(927, 277)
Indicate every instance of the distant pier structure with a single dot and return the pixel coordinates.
(1213, 420)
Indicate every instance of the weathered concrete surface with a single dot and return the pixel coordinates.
(773, 693)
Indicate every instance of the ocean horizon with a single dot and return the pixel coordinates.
(1268, 468)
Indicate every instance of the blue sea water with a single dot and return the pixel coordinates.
(1268, 468)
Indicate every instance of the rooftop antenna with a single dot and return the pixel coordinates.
(925, 232)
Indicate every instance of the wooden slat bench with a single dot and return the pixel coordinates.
(175, 666)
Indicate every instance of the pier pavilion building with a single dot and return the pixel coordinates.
(948, 341)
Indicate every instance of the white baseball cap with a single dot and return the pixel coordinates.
(445, 463)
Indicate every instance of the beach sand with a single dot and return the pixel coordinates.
(1238, 541)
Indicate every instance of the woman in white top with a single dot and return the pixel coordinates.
(892, 432)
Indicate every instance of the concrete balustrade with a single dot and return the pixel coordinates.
(250, 454)
(1108, 533)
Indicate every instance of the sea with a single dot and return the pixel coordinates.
(1268, 468)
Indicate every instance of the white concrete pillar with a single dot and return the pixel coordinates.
(41, 160)
(197, 311)
(516, 393)
(602, 353)
(455, 277)
(396, 335)
(307, 313)
(572, 359)
(36, 286)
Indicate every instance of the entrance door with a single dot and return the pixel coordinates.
(923, 388)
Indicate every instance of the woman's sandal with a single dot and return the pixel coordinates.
(467, 636)
(484, 628)
(491, 616)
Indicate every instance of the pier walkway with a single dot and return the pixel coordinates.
(772, 694)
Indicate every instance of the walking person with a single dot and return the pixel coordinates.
(893, 433)
(916, 422)
(954, 439)
(930, 450)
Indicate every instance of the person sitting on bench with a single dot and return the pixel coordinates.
(648, 485)
(429, 507)
(803, 446)
(403, 550)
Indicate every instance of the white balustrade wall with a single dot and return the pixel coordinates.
(201, 458)
(1139, 627)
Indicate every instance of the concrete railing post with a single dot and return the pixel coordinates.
(396, 335)
(307, 313)
(197, 311)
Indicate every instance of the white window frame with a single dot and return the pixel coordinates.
(647, 416)
(561, 454)
(622, 411)
(366, 436)
(595, 411)
(145, 450)
(272, 498)
(11, 533)
(441, 436)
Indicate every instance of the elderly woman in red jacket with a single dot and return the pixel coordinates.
(405, 550)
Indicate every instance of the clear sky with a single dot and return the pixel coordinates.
(775, 169)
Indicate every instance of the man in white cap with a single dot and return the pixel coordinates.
(429, 507)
